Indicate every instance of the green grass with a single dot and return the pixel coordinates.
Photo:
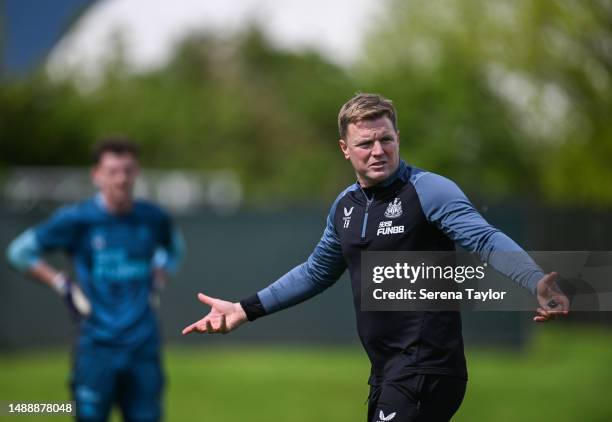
(564, 375)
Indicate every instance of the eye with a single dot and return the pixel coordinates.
(365, 145)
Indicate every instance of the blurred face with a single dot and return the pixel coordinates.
(114, 176)
(372, 146)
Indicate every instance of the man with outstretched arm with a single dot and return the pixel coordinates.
(418, 364)
(123, 250)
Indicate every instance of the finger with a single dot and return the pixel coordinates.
(552, 312)
(223, 326)
(565, 304)
(553, 315)
(198, 326)
(557, 314)
(550, 279)
(190, 328)
(209, 327)
(541, 315)
(207, 300)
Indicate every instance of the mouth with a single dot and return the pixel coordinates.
(378, 164)
(122, 191)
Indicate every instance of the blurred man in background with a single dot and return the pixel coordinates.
(418, 365)
(123, 251)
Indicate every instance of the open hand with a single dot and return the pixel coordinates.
(223, 317)
(553, 302)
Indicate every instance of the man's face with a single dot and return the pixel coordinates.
(114, 175)
(372, 146)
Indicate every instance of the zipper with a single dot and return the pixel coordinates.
(365, 217)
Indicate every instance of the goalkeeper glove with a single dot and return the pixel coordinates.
(75, 299)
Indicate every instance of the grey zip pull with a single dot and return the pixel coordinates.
(365, 217)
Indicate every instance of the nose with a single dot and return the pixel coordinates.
(377, 148)
(122, 177)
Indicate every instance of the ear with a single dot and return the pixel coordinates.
(344, 148)
(398, 137)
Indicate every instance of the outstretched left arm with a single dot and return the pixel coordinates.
(447, 207)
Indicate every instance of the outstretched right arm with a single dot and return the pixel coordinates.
(322, 269)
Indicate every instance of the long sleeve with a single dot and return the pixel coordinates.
(169, 255)
(24, 251)
(446, 206)
(321, 270)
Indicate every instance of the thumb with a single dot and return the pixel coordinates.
(549, 279)
(207, 300)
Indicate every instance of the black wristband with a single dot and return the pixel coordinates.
(252, 307)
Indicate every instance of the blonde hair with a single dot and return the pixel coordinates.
(364, 106)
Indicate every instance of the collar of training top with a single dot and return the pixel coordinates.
(389, 180)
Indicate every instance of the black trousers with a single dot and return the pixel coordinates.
(418, 398)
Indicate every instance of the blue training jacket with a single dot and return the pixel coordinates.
(114, 256)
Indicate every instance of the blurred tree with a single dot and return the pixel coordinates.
(240, 104)
(506, 96)
(39, 124)
(235, 103)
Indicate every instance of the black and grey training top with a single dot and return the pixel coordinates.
(436, 215)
